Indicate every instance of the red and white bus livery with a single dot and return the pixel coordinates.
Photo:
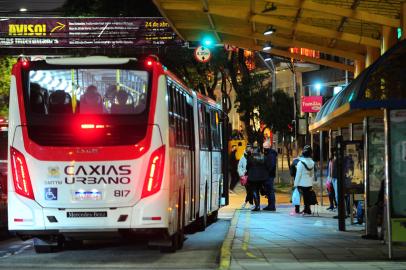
(100, 145)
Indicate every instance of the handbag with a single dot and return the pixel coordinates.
(244, 180)
(329, 185)
(296, 197)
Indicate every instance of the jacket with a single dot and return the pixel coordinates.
(305, 172)
(270, 160)
(256, 167)
(242, 166)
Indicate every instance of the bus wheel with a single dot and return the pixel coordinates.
(213, 216)
(203, 220)
(176, 240)
(47, 244)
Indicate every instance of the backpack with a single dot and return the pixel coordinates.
(292, 168)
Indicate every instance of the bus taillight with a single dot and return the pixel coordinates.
(153, 179)
(21, 177)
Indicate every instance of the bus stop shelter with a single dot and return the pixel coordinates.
(377, 99)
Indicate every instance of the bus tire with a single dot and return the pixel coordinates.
(203, 220)
(213, 216)
(47, 244)
(176, 240)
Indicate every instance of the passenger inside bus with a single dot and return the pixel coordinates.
(124, 103)
(91, 101)
(38, 99)
(60, 102)
(110, 94)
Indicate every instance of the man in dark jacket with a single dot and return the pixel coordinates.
(270, 161)
(257, 174)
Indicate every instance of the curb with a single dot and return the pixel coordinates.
(225, 252)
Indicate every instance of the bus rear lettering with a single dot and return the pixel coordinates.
(98, 170)
(97, 180)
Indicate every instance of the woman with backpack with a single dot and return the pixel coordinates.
(305, 176)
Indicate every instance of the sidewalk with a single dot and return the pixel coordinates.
(283, 240)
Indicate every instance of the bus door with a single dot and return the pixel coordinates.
(190, 134)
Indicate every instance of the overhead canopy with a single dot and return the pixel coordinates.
(380, 86)
(337, 27)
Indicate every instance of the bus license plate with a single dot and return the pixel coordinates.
(86, 214)
(87, 195)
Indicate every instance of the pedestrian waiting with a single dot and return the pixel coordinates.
(258, 174)
(271, 161)
(243, 173)
(305, 175)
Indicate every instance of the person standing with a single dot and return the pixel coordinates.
(242, 171)
(257, 174)
(305, 177)
(271, 161)
(331, 183)
(233, 168)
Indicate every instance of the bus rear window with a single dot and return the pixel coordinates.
(87, 91)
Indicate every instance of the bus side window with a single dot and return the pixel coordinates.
(209, 141)
(184, 121)
(178, 120)
(170, 102)
(202, 132)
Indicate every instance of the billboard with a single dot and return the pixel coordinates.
(86, 32)
(311, 104)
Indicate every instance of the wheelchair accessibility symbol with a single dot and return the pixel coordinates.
(51, 194)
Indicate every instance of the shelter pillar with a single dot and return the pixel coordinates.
(388, 38)
(403, 18)
(372, 55)
(359, 67)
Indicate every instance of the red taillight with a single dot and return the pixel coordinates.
(153, 179)
(21, 177)
(25, 64)
(91, 126)
(149, 63)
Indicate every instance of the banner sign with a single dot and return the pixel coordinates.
(86, 32)
(312, 104)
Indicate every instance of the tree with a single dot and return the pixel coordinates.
(6, 64)
(279, 116)
(202, 77)
(252, 94)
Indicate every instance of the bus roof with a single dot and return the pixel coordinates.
(199, 95)
(89, 60)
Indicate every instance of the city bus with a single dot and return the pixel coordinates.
(101, 146)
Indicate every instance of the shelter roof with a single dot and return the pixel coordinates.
(343, 28)
(381, 86)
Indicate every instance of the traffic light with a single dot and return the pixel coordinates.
(207, 41)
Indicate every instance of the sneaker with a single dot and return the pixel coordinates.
(306, 214)
(255, 209)
(268, 208)
(330, 208)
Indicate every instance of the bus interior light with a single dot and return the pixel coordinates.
(153, 178)
(21, 177)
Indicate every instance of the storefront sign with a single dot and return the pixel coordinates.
(86, 32)
(312, 104)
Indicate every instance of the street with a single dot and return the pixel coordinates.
(200, 251)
